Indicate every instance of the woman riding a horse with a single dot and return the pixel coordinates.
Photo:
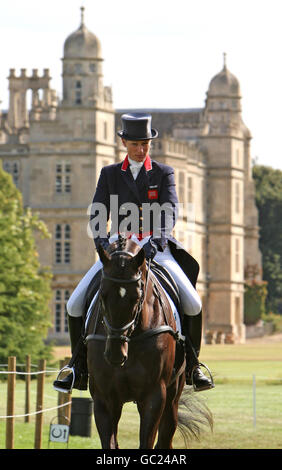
(142, 186)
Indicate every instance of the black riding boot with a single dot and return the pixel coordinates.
(78, 361)
(192, 326)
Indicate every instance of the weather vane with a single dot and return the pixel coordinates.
(224, 59)
(82, 15)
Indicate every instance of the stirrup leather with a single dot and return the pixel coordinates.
(201, 364)
(64, 369)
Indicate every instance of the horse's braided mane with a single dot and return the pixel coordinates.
(118, 245)
(121, 242)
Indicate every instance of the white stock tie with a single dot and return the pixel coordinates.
(135, 167)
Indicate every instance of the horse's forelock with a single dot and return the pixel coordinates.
(123, 263)
(122, 260)
(124, 244)
(122, 252)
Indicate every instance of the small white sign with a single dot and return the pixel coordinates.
(59, 433)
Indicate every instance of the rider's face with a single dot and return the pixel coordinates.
(137, 149)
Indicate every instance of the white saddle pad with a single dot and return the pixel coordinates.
(175, 313)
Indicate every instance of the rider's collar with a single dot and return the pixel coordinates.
(147, 163)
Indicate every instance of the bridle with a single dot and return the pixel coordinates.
(118, 333)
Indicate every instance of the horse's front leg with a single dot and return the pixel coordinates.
(150, 411)
(168, 423)
(106, 418)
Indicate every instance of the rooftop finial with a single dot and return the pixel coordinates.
(224, 60)
(82, 15)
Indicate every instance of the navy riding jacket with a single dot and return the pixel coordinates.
(155, 183)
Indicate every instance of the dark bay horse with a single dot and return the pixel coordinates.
(134, 353)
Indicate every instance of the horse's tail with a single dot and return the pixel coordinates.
(194, 416)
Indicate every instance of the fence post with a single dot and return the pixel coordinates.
(27, 388)
(39, 404)
(11, 402)
(254, 401)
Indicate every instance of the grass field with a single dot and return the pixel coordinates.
(231, 402)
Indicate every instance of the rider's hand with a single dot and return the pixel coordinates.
(104, 242)
(150, 249)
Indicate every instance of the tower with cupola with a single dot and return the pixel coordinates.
(225, 140)
(87, 102)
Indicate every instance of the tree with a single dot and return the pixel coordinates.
(268, 182)
(254, 301)
(24, 286)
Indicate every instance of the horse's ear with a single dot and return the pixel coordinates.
(139, 258)
(103, 255)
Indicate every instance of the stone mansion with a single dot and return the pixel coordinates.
(55, 151)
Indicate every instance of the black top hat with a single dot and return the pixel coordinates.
(137, 126)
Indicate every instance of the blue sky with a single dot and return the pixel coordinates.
(159, 53)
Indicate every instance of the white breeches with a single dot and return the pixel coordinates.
(190, 299)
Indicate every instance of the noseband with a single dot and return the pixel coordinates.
(120, 280)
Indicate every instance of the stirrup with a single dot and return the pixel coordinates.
(201, 364)
(63, 390)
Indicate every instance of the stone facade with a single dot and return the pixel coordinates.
(55, 151)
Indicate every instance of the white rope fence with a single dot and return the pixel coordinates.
(36, 412)
(29, 373)
(247, 378)
(64, 401)
(50, 371)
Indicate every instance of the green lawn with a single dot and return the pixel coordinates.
(231, 403)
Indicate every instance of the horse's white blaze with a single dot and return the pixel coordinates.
(122, 291)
